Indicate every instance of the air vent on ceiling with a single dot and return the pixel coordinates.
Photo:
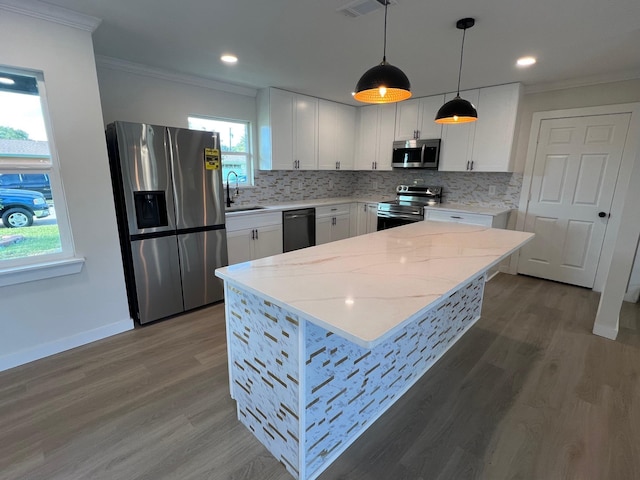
(357, 8)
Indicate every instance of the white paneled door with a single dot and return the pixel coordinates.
(575, 170)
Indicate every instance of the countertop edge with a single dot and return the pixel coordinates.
(351, 336)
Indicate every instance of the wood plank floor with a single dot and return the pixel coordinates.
(527, 393)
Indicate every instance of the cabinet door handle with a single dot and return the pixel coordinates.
(467, 165)
(471, 164)
(253, 234)
(256, 234)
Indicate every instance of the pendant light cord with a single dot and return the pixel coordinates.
(384, 48)
(464, 32)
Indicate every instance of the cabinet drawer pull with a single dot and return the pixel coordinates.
(457, 217)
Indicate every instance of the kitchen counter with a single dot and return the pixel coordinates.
(278, 207)
(322, 341)
(365, 288)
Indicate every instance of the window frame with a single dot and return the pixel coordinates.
(65, 261)
(250, 148)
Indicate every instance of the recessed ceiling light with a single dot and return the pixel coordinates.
(227, 58)
(526, 61)
(7, 81)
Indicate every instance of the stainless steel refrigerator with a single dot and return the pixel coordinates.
(169, 198)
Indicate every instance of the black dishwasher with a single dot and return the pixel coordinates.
(298, 229)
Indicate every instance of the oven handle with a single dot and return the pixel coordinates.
(414, 218)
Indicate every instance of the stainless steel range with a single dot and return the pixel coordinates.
(408, 207)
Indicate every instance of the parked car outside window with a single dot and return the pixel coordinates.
(18, 207)
(38, 182)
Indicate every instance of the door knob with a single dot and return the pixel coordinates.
(602, 214)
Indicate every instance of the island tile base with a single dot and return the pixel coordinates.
(307, 393)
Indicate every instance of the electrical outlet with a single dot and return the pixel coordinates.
(492, 189)
(374, 184)
(300, 185)
(330, 184)
(287, 190)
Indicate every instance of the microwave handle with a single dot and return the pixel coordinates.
(422, 154)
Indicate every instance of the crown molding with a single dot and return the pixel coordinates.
(145, 70)
(51, 13)
(582, 82)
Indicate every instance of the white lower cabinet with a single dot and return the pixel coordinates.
(367, 218)
(486, 220)
(332, 223)
(250, 237)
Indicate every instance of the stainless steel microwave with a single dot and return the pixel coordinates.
(416, 154)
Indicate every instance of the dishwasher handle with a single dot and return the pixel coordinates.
(301, 213)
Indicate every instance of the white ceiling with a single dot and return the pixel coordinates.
(308, 47)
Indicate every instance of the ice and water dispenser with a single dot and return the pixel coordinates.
(151, 209)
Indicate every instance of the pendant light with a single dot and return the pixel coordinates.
(459, 110)
(383, 83)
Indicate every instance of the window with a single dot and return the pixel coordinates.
(32, 231)
(234, 144)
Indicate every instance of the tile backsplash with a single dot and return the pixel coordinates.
(470, 188)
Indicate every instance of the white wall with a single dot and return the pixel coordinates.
(588, 96)
(46, 316)
(143, 98)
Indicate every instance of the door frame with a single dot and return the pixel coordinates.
(629, 154)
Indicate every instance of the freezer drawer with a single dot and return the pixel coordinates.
(157, 278)
(200, 254)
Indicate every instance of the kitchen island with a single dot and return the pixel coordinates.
(322, 341)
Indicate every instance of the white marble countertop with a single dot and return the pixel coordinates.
(365, 288)
(459, 207)
(278, 207)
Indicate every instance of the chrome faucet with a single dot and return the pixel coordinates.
(229, 199)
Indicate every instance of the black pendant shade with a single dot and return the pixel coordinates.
(383, 83)
(458, 110)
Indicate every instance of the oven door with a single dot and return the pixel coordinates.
(395, 221)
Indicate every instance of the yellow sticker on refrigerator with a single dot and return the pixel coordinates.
(212, 159)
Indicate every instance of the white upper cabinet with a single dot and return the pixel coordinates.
(287, 130)
(336, 133)
(376, 129)
(306, 132)
(496, 128)
(457, 140)
(485, 145)
(415, 118)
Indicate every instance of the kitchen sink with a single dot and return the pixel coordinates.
(244, 209)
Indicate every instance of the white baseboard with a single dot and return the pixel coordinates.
(57, 346)
(604, 331)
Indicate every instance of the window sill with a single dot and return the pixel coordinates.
(40, 271)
